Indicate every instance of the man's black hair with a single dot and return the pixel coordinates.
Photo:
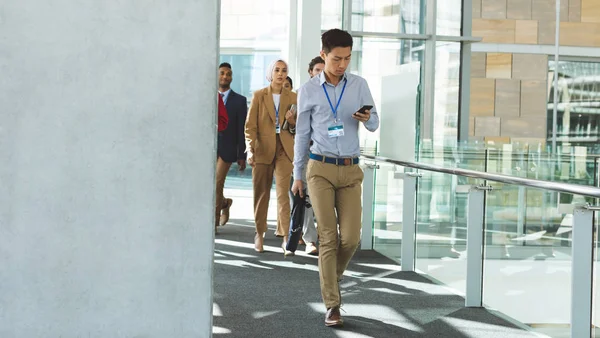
(315, 62)
(334, 38)
(225, 64)
(291, 82)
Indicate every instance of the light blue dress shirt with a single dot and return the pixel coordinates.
(225, 95)
(315, 116)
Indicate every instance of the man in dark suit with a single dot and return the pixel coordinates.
(231, 143)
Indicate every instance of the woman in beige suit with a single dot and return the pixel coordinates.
(271, 151)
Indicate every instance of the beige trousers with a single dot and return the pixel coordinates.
(262, 180)
(335, 189)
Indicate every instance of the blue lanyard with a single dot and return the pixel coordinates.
(334, 110)
(277, 113)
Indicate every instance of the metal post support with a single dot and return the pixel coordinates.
(556, 57)
(428, 97)
(366, 242)
(582, 271)
(475, 218)
(452, 210)
(409, 224)
(521, 202)
(465, 72)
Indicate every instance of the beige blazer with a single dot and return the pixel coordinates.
(260, 125)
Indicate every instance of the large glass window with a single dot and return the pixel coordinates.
(449, 17)
(259, 24)
(375, 55)
(578, 105)
(387, 16)
(253, 33)
(385, 64)
(447, 83)
(331, 14)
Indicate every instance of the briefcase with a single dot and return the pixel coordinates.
(296, 222)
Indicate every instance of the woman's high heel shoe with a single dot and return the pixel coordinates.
(258, 242)
(283, 245)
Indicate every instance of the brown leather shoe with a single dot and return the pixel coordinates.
(225, 211)
(333, 317)
(258, 243)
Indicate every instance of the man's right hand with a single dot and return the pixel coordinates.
(242, 164)
(298, 187)
(250, 159)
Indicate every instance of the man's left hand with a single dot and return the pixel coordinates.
(362, 117)
(242, 164)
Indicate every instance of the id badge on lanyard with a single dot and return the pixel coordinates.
(335, 129)
(277, 126)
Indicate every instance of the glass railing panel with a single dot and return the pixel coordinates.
(596, 276)
(466, 156)
(570, 164)
(441, 228)
(596, 267)
(388, 211)
(527, 268)
(528, 232)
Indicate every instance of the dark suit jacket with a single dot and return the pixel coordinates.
(231, 143)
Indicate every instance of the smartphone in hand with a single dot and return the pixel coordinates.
(364, 109)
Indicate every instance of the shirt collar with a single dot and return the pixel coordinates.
(322, 78)
(226, 93)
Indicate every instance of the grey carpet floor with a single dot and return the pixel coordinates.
(267, 295)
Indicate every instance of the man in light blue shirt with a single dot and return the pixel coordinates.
(330, 108)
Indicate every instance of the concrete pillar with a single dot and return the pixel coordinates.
(107, 156)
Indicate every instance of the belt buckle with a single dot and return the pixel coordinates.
(347, 161)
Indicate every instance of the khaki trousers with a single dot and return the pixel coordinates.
(221, 173)
(262, 180)
(335, 189)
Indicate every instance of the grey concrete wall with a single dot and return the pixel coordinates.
(107, 148)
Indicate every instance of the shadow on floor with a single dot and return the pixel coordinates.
(267, 295)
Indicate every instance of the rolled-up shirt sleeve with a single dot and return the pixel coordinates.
(367, 99)
(303, 133)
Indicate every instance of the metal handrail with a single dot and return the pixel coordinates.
(576, 189)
